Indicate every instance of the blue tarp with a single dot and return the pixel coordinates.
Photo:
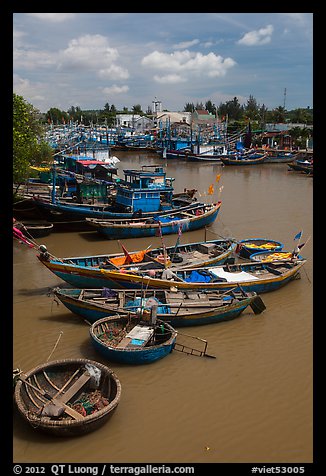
(138, 302)
(197, 277)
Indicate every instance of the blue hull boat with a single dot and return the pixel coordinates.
(131, 341)
(175, 307)
(193, 219)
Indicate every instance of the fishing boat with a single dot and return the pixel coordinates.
(142, 193)
(67, 397)
(244, 159)
(35, 228)
(305, 166)
(130, 340)
(247, 247)
(213, 154)
(190, 255)
(279, 156)
(178, 308)
(194, 218)
(252, 276)
(85, 271)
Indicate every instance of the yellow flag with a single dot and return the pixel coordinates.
(218, 176)
(210, 189)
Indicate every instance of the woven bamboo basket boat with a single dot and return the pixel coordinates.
(67, 397)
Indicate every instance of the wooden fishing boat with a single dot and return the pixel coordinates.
(189, 255)
(305, 166)
(130, 340)
(244, 159)
(268, 256)
(178, 308)
(280, 156)
(193, 218)
(67, 397)
(257, 277)
(247, 247)
(35, 228)
(85, 271)
(142, 193)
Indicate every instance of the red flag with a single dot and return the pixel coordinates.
(126, 253)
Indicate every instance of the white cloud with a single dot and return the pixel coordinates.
(23, 87)
(169, 79)
(113, 72)
(186, 44)
(30, 60)
(53, 17)
(257, 37)
(88, 51)
(183, 62)
(115, 89)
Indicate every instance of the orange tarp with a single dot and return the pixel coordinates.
(135, 258)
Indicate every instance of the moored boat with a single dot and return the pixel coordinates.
(243, 159)
(35, 228)
(247, 247)
(130, 340)
(268, 256)
(178, 308)
(142, 193)
(67, 397)
(194, 218)
(256, 277)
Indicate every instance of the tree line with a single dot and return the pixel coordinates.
(232, 109)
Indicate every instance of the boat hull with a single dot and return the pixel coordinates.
(92, 312)
(115, 230)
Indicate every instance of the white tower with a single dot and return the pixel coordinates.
(157, 106)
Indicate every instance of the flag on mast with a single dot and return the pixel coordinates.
(298, 236)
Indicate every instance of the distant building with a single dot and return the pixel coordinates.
(173, 117)
(126, 120)
(143, 124)
(203, 117)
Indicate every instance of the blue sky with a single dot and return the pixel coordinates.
(88, 59)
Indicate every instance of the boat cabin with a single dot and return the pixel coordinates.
(145, 190)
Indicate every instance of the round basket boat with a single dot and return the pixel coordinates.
(67, 397)
(119, 339)
(268, 256)
(246, 248)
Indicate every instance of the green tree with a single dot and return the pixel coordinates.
(29, 147)
(279, 114)
(56, 116)
(210, 107)
(136, 109)
(189, 107)
(251, 109)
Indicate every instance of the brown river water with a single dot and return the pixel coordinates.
(253, 403)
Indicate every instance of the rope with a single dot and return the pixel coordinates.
(55, 346)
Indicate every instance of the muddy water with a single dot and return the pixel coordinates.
(253, 403)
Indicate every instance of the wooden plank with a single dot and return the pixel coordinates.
(124, 343)
(70, 411)
(74, 388)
